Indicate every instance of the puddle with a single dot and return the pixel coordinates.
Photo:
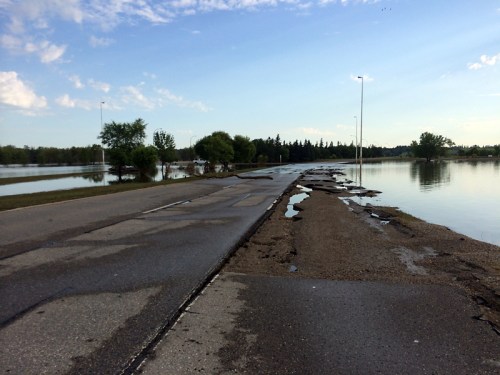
(304, 189)
(297, 198)
(294, 199)
(345, 200)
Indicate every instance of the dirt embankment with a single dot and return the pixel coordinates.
(333, 238)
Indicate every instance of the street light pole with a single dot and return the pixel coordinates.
(361, 134)
(356, 163)
(102, 129)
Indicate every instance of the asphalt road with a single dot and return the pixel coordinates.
(281, 325)
(86, 285)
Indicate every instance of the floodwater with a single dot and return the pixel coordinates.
(34, 170)
(96, 175)
(461, 195)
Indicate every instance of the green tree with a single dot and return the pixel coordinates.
(472, 151)
(121, 139)
(144, 159)
(244, 149)
(497, 149)
(430, 146)
(165, 146)
(217, 147)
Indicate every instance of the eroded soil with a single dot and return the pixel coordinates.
(333, 238)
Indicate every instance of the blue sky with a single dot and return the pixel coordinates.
(251, 67)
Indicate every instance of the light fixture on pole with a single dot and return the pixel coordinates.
(361, 134)
(102, 129)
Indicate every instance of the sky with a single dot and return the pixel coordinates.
(256, 68)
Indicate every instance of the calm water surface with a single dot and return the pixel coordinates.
(462, 195)
(34, 170)
(97, 175)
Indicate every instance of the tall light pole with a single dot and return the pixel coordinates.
(102, 129)
(361, 134)
(356, 164)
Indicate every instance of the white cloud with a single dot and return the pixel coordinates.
(38, 14)
(50, 52)
(96, 85)
(77, 82)
(46, 51)
(67, 102)
(161, 98)
(179, 101)
(184, 3)
(11, 42)
(99, 86)
(305, 6)
(133, 95)
(110, 14)
(474, 66)
(100, 42)
(27, 23)
(346, 2)
(484, 61)
(15, 92)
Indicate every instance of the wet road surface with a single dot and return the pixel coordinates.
(87, 285)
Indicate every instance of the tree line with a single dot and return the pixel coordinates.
(51, 155)
(124, 146)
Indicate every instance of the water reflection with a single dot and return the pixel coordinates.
(431, 175)
(99, 176)
(94, 177)
(17, 170)
(462, 195)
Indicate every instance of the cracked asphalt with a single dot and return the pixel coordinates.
(87, 285)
